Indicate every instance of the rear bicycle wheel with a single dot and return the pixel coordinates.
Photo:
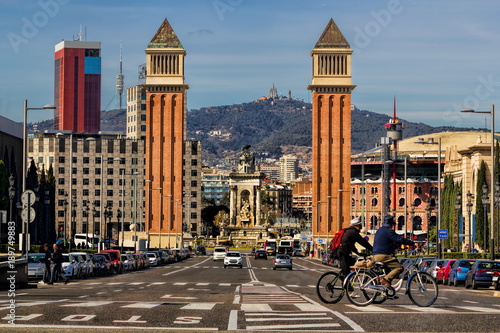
(329, 288)
(361, 288)
(422, 289)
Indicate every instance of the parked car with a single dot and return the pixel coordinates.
(459, 270)
(219, 253)
(127, 262)
(102, 265)
(260, 254)
(69, 266)
(434, 266)
(282, 261)
(115, 260)
(88, 263)
(36, 265)
(443, 273)
(153, 258)
(496, 280)
(81, 264)
(481, 273)
(200, 250)
(233, 258)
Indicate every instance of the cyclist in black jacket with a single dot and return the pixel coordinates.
(349, 239)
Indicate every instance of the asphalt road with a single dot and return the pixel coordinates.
(199, 295)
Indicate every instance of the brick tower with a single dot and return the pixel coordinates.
(165, 135)
(331, 132)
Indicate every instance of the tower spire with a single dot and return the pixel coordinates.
(119, 80)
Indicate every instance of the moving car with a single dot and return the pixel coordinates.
(200, 250)
(481, 273)
(260, 254)
(219, 253)
(282, 261)
(233, 258)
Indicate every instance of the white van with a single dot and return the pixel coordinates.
(219, 253)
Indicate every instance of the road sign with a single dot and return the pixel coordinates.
(28, 198)
(24, 214)
(443, 234)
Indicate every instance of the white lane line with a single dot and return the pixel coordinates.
(87, 304)
(202, 284)
(472, 302)
(279, 318)
(199, 306)
(422, 309)
(293, 314)
(369, 308)
(180, 283)
(176, 297)
(478, 309)
(281, 327)
(224, 284)
(256, 307)
(232, 323)
(142, 305)
(100, 328)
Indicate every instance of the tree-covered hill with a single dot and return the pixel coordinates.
(272, 126)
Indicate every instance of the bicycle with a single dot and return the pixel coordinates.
(330, 287)
(421, 287)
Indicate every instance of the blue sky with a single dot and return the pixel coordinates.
(436, 57)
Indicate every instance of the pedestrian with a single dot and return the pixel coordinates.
(57, 258)
(48, 262)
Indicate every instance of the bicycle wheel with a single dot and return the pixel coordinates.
(361, 288)
(329, 288)
(422, 289)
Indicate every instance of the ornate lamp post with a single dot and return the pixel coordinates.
(65, 204)
(108, 214)
(469, 212)
(119, 216)
(485, 200)
(458, 207)
(412, 216)
(87, 208)
(428, 211)
(12, 193)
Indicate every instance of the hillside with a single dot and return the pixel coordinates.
(272, 127)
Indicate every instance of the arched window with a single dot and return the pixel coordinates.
(401, 202)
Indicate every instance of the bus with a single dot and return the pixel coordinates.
(270, 246)
(86, 240)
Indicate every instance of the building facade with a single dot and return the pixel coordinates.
(289, 168)
(136, 112)
(99, 182)
(165, 133)
(77, 86)
(331, 131)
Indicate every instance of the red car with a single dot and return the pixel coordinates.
(443, 273)
(115, 260)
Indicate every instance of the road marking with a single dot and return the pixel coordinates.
(282, 327)
(256, 307)
(422, 309)
(202, 284)
(77, 317)
(100, 328)
(132, 319)
(473, 302)
(478, 309)
(135, 283)
(178, 297)
(113, 283)
(142, 305)
(27, 317)
(288, 319)
(224, 284)
(292, 286)
(180, 283)
(311, 307)
(232, 323)
(87, 304)
(369, 308)
(199, 306)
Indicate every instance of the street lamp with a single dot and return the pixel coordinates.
(119, 216)
(469, 212)
(168, 224)
(25, 224)
(458, 207)
(87, 209)
(428, 210)
(438, 204)
(492, 174)
(485, 201)
(108, 214)
(65, 204)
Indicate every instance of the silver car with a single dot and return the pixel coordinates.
(282, 261)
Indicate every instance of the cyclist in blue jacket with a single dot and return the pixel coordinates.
(384, 247)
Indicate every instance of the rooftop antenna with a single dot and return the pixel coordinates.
(119, 80)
